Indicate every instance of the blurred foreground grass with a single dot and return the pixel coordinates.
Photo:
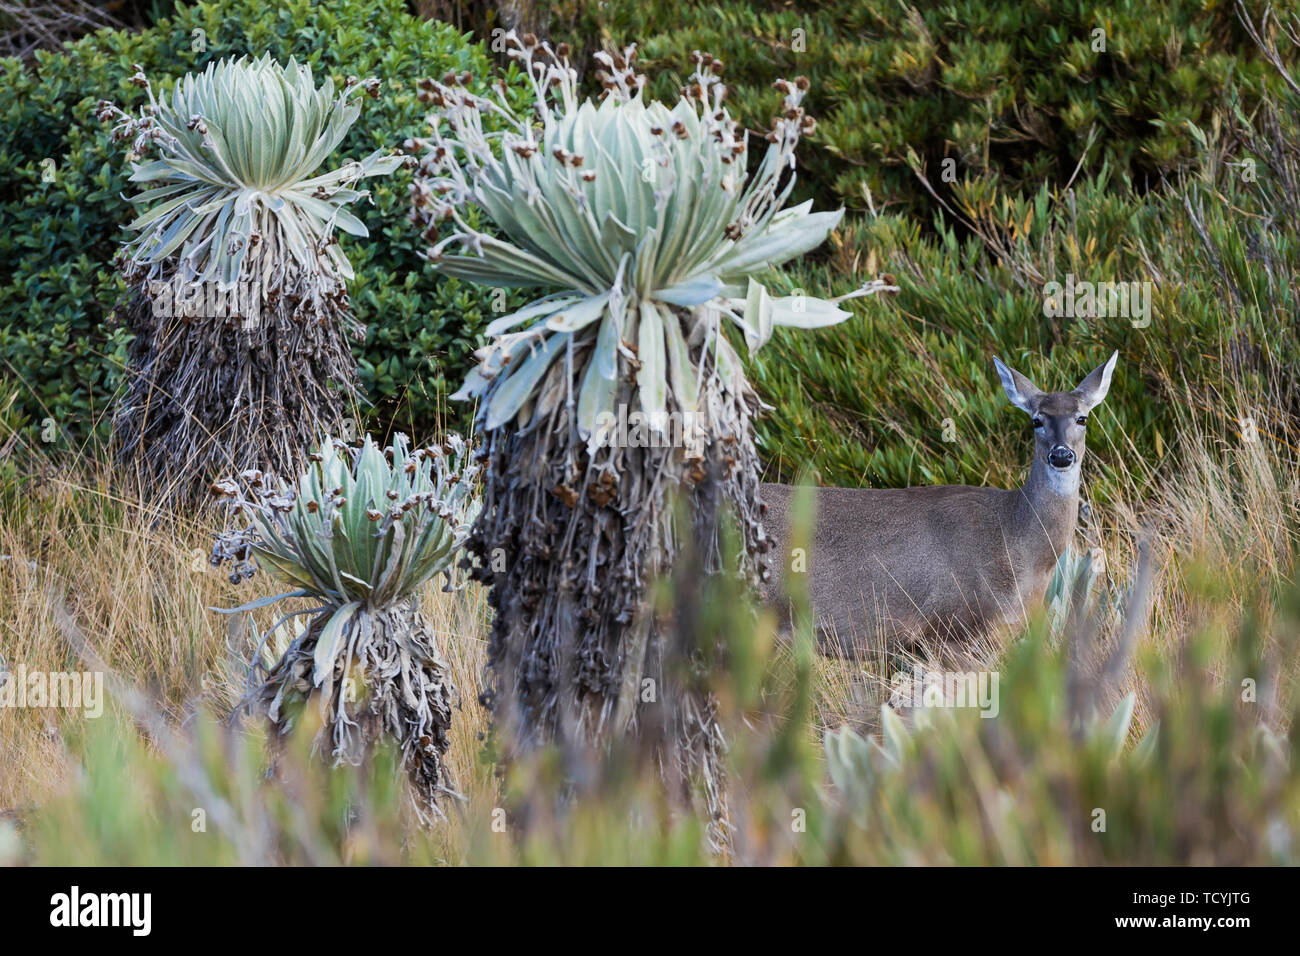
(164, 777)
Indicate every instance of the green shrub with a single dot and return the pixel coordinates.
(904, 393)
(1009, 91)
(62, 207)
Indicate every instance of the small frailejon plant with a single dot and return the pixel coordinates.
(239, 310)
(359, 533)
(650, 237)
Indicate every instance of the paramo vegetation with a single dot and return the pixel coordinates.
(1158, 684)
(62, 214)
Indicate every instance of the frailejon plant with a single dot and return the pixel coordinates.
(359, 533)
(61, 208)
(240, 310)
(649, 236)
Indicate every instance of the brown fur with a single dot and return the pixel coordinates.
(951, 561)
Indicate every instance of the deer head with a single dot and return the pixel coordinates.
(1060, 420)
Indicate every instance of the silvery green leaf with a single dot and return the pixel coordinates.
(848, 758)
(362, 585)
(685, 383)
(694, 291)
(390, 564)
(644, 259)
(651, 377)
(260, 602)
(511, 265)
(509, 396)
(894, 732)
(1146, 747)
(285, 567)
(758, 317)
(547, 306)
(806, 312)
(589, 263)
(513, 215)
(600, 383)
(330, 215)
(845, 758)
(1114, 733)
(330, 641)
(728, 361)
(790, 214)
(616, 236)
(471, 388)
(540, 221)
(476, 269)
(159, 169)
(162, 209)
(779, 244)
(579, 315)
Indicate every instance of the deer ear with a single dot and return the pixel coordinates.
(1019, 389)
(1093, 389)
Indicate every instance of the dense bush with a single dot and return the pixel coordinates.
(838, 397)
(62, 207)
(1012, 92)
(905, 394)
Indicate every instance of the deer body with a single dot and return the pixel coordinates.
(951, 561)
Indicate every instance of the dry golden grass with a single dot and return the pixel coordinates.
(137, 584)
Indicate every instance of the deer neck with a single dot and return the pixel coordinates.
(1048, 505)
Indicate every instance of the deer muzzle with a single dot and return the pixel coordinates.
(1060, 457)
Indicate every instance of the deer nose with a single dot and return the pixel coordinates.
(1060, 457)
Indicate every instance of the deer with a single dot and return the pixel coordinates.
(949, 562)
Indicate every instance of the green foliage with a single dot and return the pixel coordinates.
(202, 800)
(1016, 94)
(905, 393)
(62, 209)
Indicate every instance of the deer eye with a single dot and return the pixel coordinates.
(1038, 423)
(1081, 420)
